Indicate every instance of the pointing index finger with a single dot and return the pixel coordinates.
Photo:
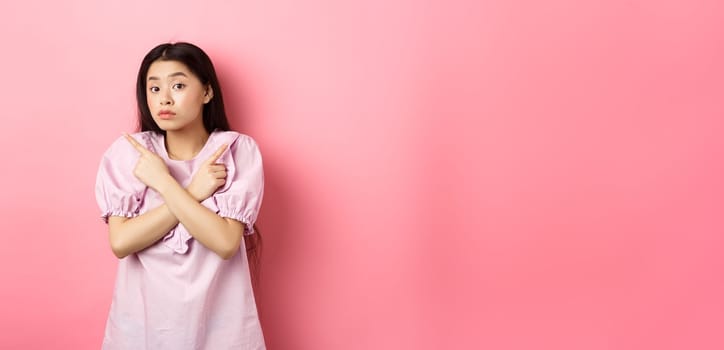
(214, 157)
(135, 144)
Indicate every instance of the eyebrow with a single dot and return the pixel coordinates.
(170, 76)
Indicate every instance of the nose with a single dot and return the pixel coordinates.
(166, 98)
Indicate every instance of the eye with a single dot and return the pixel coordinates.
(179, 86)
(154, 89)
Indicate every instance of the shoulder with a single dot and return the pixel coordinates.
(243, 151)
(237, 141)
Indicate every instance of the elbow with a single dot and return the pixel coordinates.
(120, 246)
(119, 249)
(227, 254)
(231, 244)
(229, 250)
(119, 255)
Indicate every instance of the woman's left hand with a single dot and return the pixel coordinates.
(150, 168)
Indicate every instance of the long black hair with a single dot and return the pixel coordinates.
(214, 114)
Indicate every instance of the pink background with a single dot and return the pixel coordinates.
(440, 175)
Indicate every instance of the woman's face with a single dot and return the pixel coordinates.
(175, 96)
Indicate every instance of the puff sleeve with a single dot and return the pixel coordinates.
(118, 192)
(240, 199)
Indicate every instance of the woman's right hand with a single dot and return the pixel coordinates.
(209, 177)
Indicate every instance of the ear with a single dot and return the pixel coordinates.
(209, 94)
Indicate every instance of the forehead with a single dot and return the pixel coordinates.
(164, 69)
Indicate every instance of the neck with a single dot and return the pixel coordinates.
(186, 143)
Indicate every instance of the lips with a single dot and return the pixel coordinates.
(166, 115)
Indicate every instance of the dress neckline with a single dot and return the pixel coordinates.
(165, 155)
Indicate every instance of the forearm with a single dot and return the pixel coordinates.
(222, 236)
(128, 236)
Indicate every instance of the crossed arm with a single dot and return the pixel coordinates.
(221, 235)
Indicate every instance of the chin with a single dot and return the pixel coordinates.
(167, 125)
(177, 124)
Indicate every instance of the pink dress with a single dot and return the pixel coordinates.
(177, 294)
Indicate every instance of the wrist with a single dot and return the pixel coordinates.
(165, 184)
(193, 195)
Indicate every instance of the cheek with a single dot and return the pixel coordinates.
(187, 100)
